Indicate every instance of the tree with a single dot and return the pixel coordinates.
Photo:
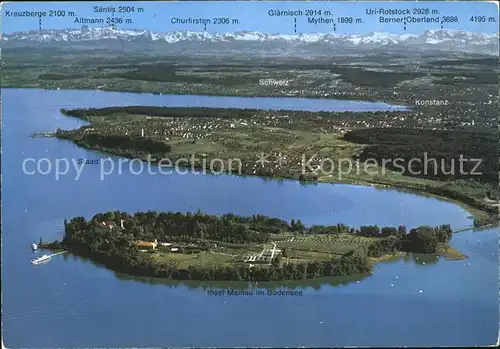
(277, 261)
(401, 231)
(109, 216)
(423, 240)
(300, 227)
(388, 231)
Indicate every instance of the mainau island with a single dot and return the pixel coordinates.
(197, 246)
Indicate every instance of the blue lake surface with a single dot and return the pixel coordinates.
(99, 98)
(70, 302)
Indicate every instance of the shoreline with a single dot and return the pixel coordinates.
(476, 213)
(448, 253)
(387, 257)
(367, 99)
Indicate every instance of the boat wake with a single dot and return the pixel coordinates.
(45, 258)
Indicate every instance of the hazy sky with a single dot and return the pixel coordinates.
(252, 15)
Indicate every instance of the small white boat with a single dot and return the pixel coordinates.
(41, 259)
(34, 247)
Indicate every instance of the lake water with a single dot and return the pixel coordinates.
(70, 302)
(98, 98)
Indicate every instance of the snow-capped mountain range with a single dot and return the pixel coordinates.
(441, 39)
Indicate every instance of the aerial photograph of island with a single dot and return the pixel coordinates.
(250, 174)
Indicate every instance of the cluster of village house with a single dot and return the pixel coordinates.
(142, 245)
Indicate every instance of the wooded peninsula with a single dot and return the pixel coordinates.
(198, 246)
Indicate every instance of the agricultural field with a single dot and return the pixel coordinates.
(205, 259)
(322, 247)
